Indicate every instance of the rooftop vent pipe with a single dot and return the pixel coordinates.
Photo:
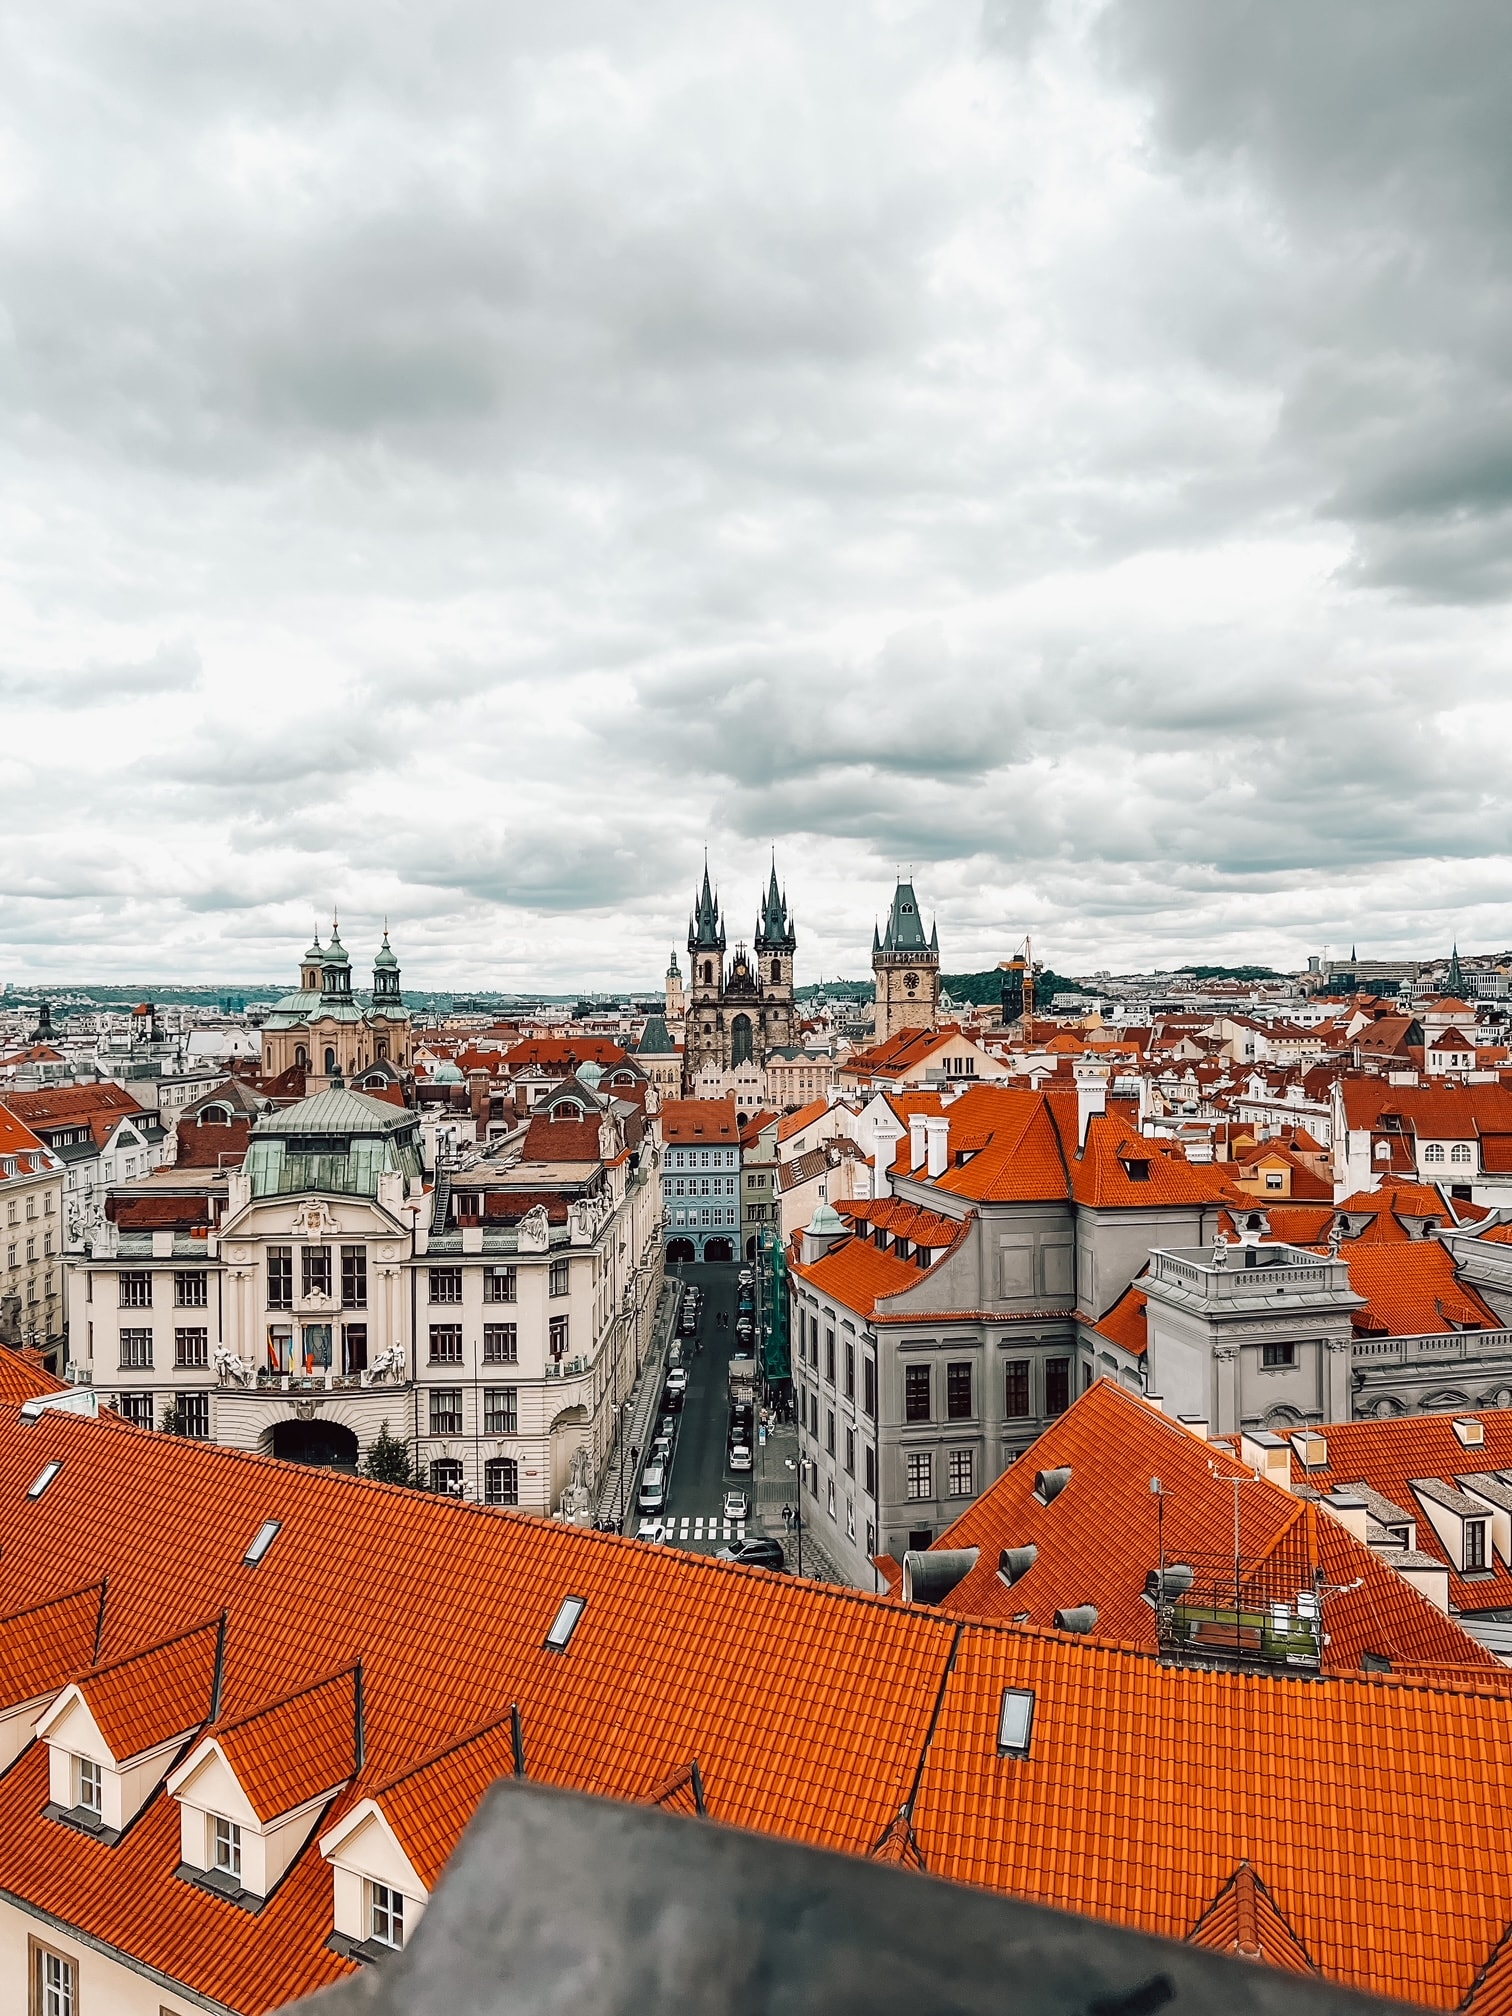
(1015, 1562)
(1049, 1484)
(929, 1577)
(1172, 1581)
(1082, 1618)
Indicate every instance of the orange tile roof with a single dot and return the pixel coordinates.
(854, 1272)
(21, 1380)
(1124, 1323)
(1100, 1538)
(550, 1140)
(1411, 1288)
(1243, 1919)
(794, 1123)
(1389, 1456)
(163, 1690)
(1412, 1200)
(16, 1138)
(56, 1104)
(49, 1644)
(699, 1121)
(294, 1749)
(1145, 1787)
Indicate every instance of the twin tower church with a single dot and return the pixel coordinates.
(739, 1014)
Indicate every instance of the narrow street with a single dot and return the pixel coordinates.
(700, 1474)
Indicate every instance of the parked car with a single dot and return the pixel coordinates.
(677, 1379)
(740, 1455)
(737, 1506)
(672, 1399)
(753, 1553)
(653, 1530)
(653, 1488)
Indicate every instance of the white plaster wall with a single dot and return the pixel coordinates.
(106, 1987)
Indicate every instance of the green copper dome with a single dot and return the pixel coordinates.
(385, 956)
(335, 953)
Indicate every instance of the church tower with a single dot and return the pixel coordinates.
(773, 947)
(906, 968)
(675, 997)
(704, 1033)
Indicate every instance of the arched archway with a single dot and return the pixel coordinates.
(741, 1046)
(301, 1056)
(326, 1443)
(680, 1253)
(751, 1247)
(718, 1250)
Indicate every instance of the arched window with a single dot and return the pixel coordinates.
(301, 1056)
(708, 972)
(1434, 1152)
(330, 1064)
(1460, 1152)
(380, 1048)
(568, 1110)
(776, 969)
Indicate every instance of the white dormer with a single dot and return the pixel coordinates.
(222, 1836)
(379, 1897)
(85, 1780)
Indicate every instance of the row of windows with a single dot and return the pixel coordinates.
(191, 1350)
(501, 1342)
(12, 1214)
(183, 1414)
(689, 1158)
(500, 1284)
(960, 1473)
(501, 1410)
(1460, 1152)
(12, 1252)
(712, 1186)
(808, 1351)
(501, 1479)
(716, 1214)
(808, 1409)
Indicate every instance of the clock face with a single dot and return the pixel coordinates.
(911, 982)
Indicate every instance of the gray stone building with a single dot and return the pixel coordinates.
(937, 1328)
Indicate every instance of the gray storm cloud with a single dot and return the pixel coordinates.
(459, 461)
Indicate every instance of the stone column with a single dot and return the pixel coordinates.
(1225, 1417)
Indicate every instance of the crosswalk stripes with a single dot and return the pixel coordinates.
(701, 1526)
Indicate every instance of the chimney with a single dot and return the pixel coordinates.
(1350, 1511)
(937, 1143)
(1091, 1097)
(477, 1091)
(915, 1139)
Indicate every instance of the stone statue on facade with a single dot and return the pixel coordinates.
(231, 1370)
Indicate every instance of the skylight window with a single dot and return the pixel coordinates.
(262, 1540)
(565, 1622)
(1016, 1722)
(44, 1477)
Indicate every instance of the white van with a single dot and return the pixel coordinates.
(653, 1488)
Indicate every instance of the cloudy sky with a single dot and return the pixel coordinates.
(458, 460)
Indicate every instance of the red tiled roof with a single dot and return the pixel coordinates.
(295, 1749)
(1411, 1288)
(43, 1648)
(1124, 1323)
(548, 1140)
(57, 1104)
(16, 1138)
(1243, 1919)
(1100, 1538)
(1383, 1850)
(1410, 1200)
(1389, 1455)
(699, 1122)
(856, 1273)
(1437, 1112)
(161, 1691)
(22, 1380)
(794, 1123)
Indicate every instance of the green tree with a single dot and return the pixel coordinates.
(387, 1460)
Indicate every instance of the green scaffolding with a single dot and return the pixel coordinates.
(776, 1361)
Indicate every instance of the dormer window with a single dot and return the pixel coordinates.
(88, 1786)
(1475, 1545)
(385, 1914)
(226, 1847)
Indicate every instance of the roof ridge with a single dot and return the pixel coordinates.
(229, 1727)
(212, 1623)
(52, 1602)
(503, 1720)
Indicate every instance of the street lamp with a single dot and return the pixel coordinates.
(789, 1464)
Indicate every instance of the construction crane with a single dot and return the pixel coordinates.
(1018, 987)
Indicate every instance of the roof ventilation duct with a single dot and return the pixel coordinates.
(928, 1577)
(1049, 1484)
(1172, 1581)
(1015, 1562)
(1082, 1618)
